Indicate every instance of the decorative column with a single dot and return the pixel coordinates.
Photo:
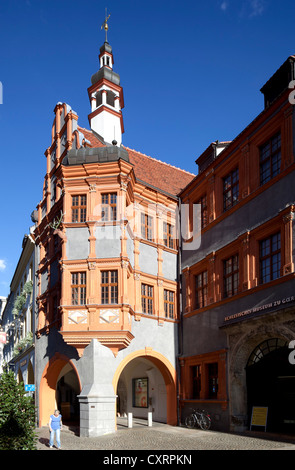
(137, 297)
(91, 223)
(92, 283)
(246, 262)
(288, 266)
(124, 269)
(160, 302)
(211, 279)
(211, 197)
(186, 275)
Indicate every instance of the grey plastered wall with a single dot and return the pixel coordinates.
(148, 259)
(256, 212)
(169, 266)
(77, 243)
(130, 248)
(108, 241)
(206, 331)
(202, 332)
(97, 367)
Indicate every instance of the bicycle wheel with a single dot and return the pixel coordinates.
(204, 422)
(190, 421)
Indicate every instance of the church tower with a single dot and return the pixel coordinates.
(106, 98)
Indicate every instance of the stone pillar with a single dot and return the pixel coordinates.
(97, 398)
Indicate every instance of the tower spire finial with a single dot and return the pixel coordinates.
(105, 25)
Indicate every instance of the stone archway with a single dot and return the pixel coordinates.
(167, 372)
(241, 344)
(48, 383)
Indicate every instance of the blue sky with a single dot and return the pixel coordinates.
(191, 72)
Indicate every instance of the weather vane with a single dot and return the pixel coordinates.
(105, 25)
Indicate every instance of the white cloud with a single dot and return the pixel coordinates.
(257, 7)
(2, 265)
(224, 5)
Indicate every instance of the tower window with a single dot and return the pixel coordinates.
(98, 99)
(111, 98)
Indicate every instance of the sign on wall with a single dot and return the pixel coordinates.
(29, 387)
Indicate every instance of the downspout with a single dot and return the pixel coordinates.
(180, 323)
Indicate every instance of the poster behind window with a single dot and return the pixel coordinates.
(140, 393)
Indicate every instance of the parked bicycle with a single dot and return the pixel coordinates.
(198, 417)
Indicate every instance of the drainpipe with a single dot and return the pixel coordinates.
(180, 324)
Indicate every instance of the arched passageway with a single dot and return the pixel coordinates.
(146, 382)
(59, 388)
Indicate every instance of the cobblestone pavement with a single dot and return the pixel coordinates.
(164, 437)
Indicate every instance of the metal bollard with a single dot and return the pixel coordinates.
(129, 420)
(150, 418)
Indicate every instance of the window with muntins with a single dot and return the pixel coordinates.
(169, 303)
(109, 207)
(147, 227)
(78, 288)
(204, 210)
(270, 159)
(109, 287)
(231, 276)
(212, 380)
(270, 258)
(79, 208)
(168, 235)
(201, 281)
(147, 299)
(231, 189)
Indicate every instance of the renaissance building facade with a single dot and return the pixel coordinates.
(107, 329)
(132, 314)
(238, 285)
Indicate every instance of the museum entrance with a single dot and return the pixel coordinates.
(271, 383)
